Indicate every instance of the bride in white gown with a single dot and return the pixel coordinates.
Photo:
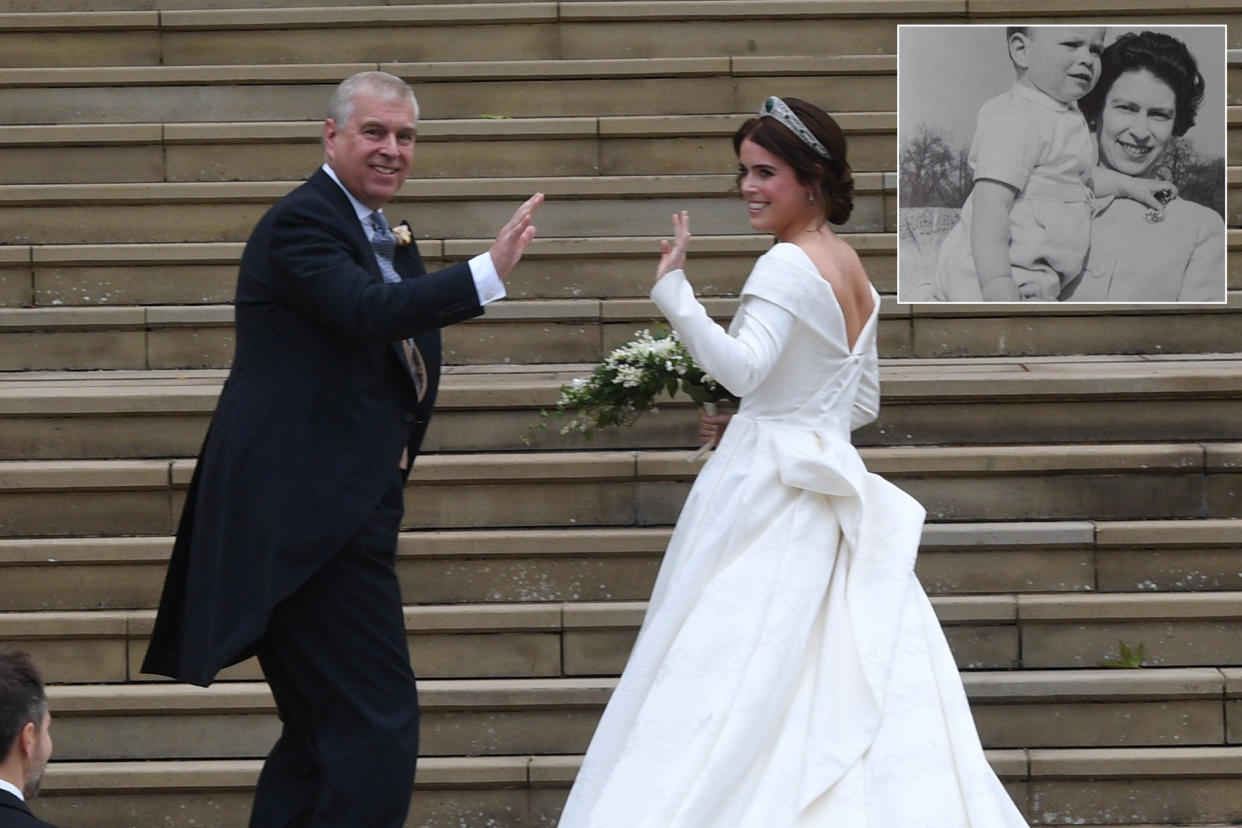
(790, 670)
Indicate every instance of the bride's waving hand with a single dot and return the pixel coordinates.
(673, 253)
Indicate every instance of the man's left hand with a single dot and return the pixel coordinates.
(514, 237)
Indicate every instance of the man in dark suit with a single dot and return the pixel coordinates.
(287, 542)
(25, 739)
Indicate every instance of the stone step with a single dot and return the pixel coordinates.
(146, 414)
(543, 30)
(905, 331)
(604, 267)
(577, 206)
(1142, 556)
(287, 36)
(1127, 786)
(950, 11)
(581, 639)
(50, 498)
(1083, 630)
(492, 717)
(567, 565)
(504, 717)
(513, 791)
(1138, 787)
(464, 148)
(435, 567)
(541, 332)
(17, 6)
(502, 566)
(948, 330)
(591, 639)
(512, 31)
(1003, 632)
(713, 85)
(461, 641)
(552, 268)
(1233, 196)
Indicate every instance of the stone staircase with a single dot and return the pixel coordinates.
(1082, 470)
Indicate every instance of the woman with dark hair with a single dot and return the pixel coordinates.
(1148, 95)
(790, 671)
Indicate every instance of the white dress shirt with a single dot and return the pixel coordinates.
(5, 785)
(487, 282)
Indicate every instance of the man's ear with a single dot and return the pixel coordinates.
(1019, 42)
(27, 739)
(329, 137)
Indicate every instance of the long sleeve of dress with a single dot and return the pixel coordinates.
(739, 359)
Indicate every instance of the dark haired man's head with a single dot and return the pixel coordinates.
(25, 740)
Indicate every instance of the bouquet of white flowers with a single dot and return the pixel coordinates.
(628, 382)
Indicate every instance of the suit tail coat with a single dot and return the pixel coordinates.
(310, 425)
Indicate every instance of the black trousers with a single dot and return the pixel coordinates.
(336, 659)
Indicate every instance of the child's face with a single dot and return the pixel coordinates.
(1063, 62)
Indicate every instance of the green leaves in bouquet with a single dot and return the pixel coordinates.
(630, 381)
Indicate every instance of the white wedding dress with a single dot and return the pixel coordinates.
(790, 671)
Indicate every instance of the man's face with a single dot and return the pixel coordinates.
(39, 756)
(371, 153)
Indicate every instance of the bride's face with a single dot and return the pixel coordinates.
(776, 201)
(1136, 122)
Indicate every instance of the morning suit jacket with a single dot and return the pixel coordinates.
(16, 814)
(310, 425)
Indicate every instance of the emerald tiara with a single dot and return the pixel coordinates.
(774, 107)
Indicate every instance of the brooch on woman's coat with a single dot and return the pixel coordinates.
(1154, 215)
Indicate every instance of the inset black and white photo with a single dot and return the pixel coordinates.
(1054, 163)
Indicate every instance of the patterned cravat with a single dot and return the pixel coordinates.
(384, 243)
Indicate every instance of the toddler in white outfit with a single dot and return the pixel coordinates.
(1026, 226)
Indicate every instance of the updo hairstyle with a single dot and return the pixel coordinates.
(830, 177)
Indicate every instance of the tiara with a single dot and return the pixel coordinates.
(774, 107)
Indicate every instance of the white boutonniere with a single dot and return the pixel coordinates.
(403, 233)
